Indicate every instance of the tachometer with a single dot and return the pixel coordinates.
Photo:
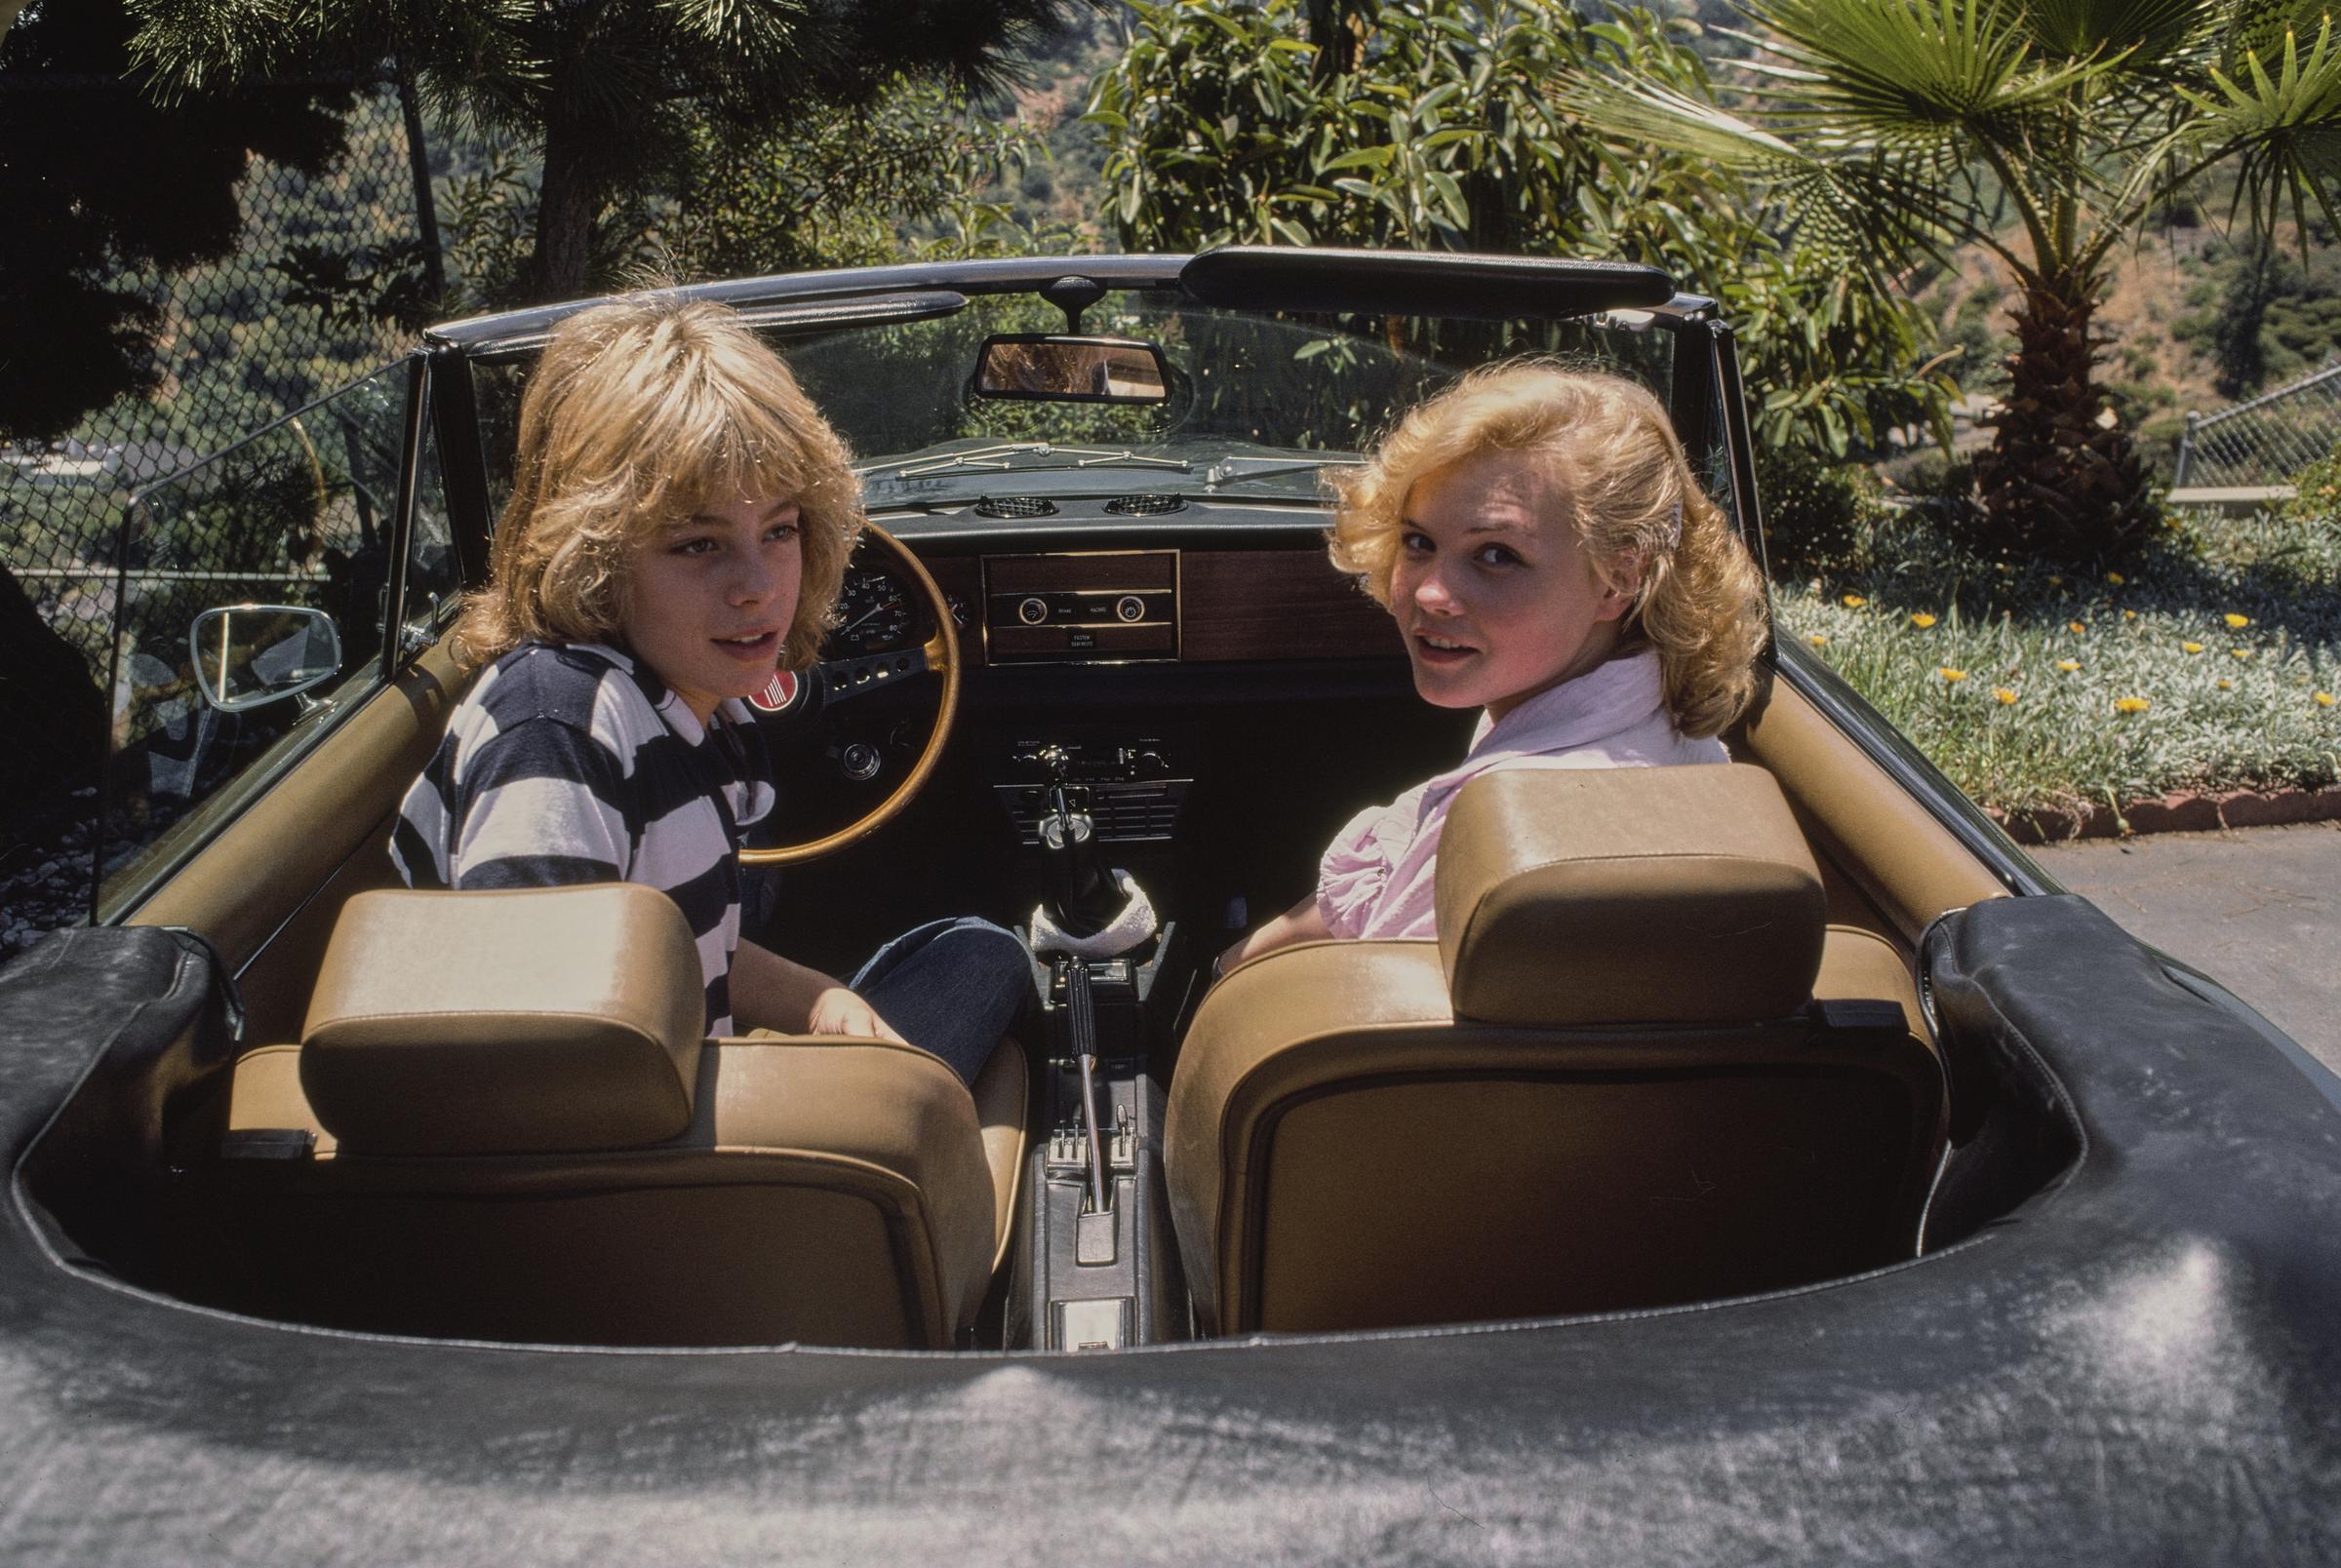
(874, 616)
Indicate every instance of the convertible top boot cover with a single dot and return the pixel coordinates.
(2135, 1363)
(141, 1023)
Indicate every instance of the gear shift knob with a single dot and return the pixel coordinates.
(1082, 898)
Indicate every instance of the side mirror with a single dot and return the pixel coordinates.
(249, 655)
(1047, 367)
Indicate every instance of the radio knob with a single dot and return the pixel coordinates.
(1056, 760)
(1149, 765)
(1033, 610)
(1130, 608)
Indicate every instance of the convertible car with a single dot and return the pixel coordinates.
(1767, 1163)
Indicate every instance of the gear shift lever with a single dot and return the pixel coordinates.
(1082, 898)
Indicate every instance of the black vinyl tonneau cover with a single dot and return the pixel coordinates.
(2137, 1364)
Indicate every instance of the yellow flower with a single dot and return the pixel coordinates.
(1854, 601)
(2324, 699)
(1817, 640)
(2132, 705)
(2067, 665)
(1921, 620)
(2227, 686)
(2076, 627)
(2241, 653)
(2236, 622)
(2004, 695)
(1954, 677)
(2191, 647)
(2129, 614)
(2115, 578)
(2055, 581)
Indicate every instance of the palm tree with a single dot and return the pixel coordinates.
(606, 90)
(1887, 130)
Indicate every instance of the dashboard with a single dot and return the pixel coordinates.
(1086, 663)
(1210, 606)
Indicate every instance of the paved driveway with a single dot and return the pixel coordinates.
(2258, 909)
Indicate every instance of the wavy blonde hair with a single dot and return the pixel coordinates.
(1611, 447)
(640, 413)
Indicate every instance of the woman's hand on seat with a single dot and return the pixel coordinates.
(840, 1011)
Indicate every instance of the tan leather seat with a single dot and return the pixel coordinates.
(519, 1134)
(1602, 1088)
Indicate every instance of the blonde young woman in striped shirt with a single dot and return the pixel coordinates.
(678, 529)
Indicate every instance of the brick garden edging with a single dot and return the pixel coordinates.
(2188, 811)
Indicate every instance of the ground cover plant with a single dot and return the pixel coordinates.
(2212, 661)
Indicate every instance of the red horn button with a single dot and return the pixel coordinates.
(779, 693)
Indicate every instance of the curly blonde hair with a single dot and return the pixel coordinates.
(1630, 497)
(640, 413)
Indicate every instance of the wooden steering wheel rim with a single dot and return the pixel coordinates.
(942, 653)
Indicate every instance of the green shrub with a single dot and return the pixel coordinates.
(2318, 490)
(1818, 517)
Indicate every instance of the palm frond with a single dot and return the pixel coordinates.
(1908, 73)
(1652, 112)
(2141, 33)
(2284, 128)
(1868, 207)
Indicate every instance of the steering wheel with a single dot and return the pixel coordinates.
(832, 681)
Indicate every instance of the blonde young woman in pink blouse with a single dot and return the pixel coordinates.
(1548, 557)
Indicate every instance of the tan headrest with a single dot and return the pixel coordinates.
(522, 1022)
(1627, 895)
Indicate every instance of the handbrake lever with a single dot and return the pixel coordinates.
(1080, 1012)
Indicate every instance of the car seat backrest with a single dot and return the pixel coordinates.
(1600, 895)
(1600, 1089)
(528, 1021)
(503, 1123)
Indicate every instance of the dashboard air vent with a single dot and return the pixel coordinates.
(1016, 506)
(1149, 504)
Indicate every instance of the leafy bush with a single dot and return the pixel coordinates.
(2318, 491)
(1819, 517)
(1435, 125)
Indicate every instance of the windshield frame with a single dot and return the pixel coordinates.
(1703, 398)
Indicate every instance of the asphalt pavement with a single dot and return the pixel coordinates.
(2256, 909)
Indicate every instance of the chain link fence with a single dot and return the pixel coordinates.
(2260, 444)
(244, 340)
(239, 348)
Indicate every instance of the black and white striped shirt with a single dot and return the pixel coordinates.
(575, 763)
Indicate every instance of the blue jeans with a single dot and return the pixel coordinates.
(951, 986)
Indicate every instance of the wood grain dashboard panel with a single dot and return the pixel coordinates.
(1233, 605)
(1275, 605)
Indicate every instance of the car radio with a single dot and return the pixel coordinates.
(1091, 605)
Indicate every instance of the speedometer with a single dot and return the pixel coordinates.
(873, 616)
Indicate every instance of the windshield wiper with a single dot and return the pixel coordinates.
(1005, 459)
(1220, 473)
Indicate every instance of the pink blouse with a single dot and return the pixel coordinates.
(1377, 879)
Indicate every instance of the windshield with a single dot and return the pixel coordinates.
(1258, 404)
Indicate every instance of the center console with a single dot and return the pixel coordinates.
(1101, 1267)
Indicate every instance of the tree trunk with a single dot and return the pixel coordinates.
(54, 715)
(565, 202)
(2056, 482)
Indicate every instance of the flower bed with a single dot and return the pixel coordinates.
(2211, 665)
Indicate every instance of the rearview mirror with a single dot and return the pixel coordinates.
(1047, 367)
(247, 656)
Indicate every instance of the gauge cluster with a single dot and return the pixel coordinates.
(877, 613)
